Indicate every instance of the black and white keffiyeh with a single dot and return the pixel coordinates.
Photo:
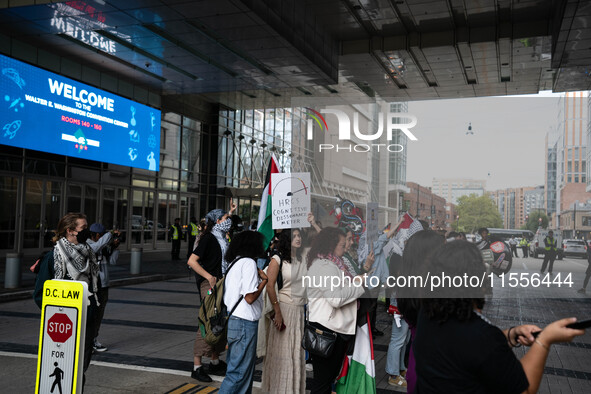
(77, 261)
(219, 231)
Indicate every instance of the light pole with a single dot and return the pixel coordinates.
(457, 222)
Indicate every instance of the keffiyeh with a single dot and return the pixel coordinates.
(338, 262)
(77, 261)
(219, 232)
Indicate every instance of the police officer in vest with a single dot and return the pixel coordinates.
(524, 246)
(174, 234)
(550, 253)
(193, 230)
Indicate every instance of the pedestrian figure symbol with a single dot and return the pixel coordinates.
(59, 375)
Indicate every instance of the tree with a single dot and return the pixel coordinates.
(533, 221)
(475, 212)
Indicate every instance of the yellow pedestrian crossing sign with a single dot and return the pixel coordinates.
(61, 338)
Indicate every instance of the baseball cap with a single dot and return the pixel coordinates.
(97, 228)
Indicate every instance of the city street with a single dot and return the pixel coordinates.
(149, 329)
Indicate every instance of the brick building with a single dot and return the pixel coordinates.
(422, 203)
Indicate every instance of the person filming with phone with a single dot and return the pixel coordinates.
(457, 350)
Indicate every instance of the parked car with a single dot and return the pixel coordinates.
(536, 245)
(574, 247)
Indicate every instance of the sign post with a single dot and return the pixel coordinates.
(61, 339)
(371, 222)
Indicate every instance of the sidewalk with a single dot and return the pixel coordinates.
(156, 265)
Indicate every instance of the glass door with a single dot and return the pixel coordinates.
(8, 204)
(142, 218)
(167, 211)
(42, 212)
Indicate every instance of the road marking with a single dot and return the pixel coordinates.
(207, 390)
(130, 367)
(182, 388)
(13, 354)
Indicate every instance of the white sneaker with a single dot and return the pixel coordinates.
(97, 347)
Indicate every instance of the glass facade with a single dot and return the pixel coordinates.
(245, 141)
(37, 189)
(397, 161)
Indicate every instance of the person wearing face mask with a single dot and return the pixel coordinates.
(73, 259)
(207, 261)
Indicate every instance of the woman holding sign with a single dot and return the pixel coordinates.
(284, 369)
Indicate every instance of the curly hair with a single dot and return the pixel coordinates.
(324, 243)
(456, 258)
(284, 245)
(246, 244)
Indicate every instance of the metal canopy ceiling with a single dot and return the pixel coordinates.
(253, 52)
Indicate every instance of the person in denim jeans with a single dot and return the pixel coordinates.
(399, 338)
(243, 286)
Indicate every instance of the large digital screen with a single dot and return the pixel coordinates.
(44, 111)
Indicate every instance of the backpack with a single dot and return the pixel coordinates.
(45, 272)
(213, 314)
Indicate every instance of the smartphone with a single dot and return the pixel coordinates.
(580, 325)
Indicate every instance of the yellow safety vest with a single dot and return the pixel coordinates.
(194, 229)
(175, 232)
(552, 242)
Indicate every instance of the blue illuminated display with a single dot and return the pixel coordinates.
(44, 111)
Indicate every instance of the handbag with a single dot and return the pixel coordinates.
(318, 341)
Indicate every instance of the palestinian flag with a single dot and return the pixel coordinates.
(265, 225)
(358, 374)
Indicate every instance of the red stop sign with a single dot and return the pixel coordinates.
(59, 327)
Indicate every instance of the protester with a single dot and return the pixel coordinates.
(284, 368)
(73, 259)
(243, 286)
(104, 245)
(370, 299)
(200, 229)
(483, 243)
(417, 252)
(458, 350)
(207, 262)
(331, 309)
